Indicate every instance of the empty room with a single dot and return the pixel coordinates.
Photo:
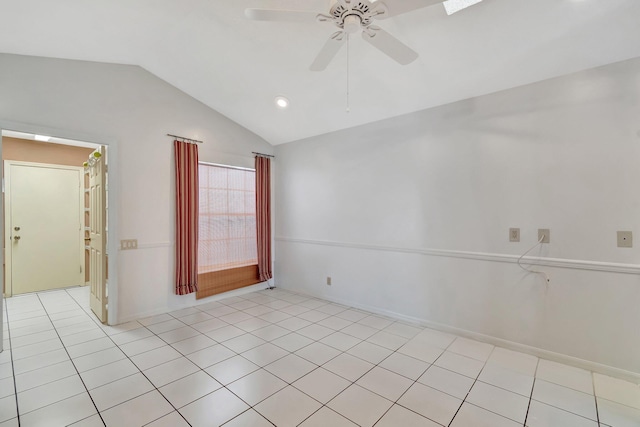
(320, 213)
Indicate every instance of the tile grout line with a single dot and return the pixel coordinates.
(203, 370)
(595, 397)
(554, 405)
(139, 370)
(318, 341)
(343, 352)
(74, 365)
(475, 380)
(399, 397)
(533, 386)
(250, 407)
(414, 381)
(501, 388)
(33, 333)
(270, 341)
(244, 412)
(13, 369)
(372, 368)
(289, 352)
(49, 382)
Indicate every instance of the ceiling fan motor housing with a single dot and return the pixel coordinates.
(352, 15)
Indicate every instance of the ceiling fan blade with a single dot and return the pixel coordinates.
(281, 15)
(329, 51)
(390, 8)
(391, 46)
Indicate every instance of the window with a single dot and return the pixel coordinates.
(227, 234)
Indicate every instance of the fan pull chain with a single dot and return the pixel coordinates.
(348, 109)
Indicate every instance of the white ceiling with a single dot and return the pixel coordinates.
(208, 49)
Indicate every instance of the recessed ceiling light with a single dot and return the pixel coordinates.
(282, 102)
(453, 6)
(42, 138)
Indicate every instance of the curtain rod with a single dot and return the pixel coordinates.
(263, 155)
(186, 139)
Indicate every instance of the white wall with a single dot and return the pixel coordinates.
(130, 106)
(410, 216)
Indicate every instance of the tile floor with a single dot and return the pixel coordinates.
(279, 358)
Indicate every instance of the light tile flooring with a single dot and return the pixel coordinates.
(279, 358)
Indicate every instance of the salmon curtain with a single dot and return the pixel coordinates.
(263, 217)
(186, 217)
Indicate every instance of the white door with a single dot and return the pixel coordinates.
(43, 227)
(98, 235)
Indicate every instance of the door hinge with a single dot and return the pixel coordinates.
(80, 269)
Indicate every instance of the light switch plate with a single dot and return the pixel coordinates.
(625, 239)
(514, 234)
(128, 244)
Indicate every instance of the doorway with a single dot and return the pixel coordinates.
(73, 154)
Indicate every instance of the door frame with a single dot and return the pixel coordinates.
(7, 217)
(113, 197)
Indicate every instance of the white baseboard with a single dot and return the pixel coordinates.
(192, 303)
(499, 342)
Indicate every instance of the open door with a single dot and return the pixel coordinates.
(97, 234)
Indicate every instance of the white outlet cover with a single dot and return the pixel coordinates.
(547, 235)
(625, 239)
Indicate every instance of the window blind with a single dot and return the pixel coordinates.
(227, 218)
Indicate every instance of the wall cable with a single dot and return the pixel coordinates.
(546, 277)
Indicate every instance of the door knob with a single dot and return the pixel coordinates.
(16, 228)
(16, 238)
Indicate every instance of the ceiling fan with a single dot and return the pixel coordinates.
(352, 16)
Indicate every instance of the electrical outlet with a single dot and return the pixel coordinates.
(625, 239)
(546, 233)
(128, 244)
(328, 281)
(514, 234)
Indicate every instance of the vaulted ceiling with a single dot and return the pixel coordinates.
(210, 50)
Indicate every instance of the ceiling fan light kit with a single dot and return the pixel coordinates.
(352, 24)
